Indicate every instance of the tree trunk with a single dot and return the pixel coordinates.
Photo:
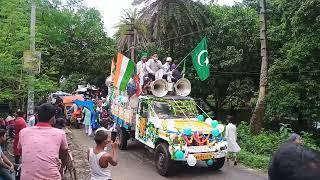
(133, 42)
(259, 111)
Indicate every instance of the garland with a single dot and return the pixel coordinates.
(197, 138)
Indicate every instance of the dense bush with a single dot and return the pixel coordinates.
(256, 150)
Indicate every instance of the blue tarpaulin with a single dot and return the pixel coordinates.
(89, 105)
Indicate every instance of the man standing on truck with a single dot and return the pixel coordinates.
(170, 72)
(141, 68)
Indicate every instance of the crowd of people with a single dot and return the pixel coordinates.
(45, 128)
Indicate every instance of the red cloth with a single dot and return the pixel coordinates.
(137, 81)
(19, 124)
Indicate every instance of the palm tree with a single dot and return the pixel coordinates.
(169, 19)
(131, 19)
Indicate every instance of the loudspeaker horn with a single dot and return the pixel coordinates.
(159, 87)
(183, 87)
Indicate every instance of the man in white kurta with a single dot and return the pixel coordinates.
(141, 69)
(153, 66)
(231, 136)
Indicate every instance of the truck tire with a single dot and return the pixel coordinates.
(123, 138)
(163, 159)
(218, 163)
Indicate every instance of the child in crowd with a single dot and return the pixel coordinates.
(99, 160)
(6, 167)
(231, 136)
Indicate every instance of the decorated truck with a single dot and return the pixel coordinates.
(172, 127)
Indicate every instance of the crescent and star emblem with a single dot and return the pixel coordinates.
(199, 57)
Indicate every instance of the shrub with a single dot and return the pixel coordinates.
(256, 150)
(253, 160)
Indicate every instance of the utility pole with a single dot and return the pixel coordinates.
(259, 111)
(30, 105)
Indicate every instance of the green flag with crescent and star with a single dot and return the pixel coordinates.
(200, 59)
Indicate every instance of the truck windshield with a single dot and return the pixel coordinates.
(175, 109)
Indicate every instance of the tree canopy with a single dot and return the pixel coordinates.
(174, 29)
(70, 41)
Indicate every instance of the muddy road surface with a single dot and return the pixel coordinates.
(136, 163)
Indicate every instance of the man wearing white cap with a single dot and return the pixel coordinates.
(167, 73)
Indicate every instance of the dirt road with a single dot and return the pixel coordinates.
(137, 163)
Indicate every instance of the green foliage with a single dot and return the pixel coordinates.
(70, 83)
(295, 33)
(71, 42)
(253, 160)
(256, 150)
(234, 53)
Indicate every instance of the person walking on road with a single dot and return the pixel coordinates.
(87, 119)
(19, 124)
(6, 167)
(99, 160)
(231, 136)
(42, 146)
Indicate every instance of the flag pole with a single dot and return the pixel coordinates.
(184, 59)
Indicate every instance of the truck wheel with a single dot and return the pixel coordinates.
(163, 159)
(123, 138)
(218, 163)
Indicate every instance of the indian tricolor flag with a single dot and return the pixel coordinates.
(124, 70)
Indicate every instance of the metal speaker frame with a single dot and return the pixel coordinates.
(159, 87)
(182, 87)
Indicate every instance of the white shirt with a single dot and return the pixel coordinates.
(153, 66)
(166, 67)
(32, 121)
(231, 136)
(141, 68)
(96, 172)
(10, 118)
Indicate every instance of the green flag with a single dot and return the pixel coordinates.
(200, 59)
